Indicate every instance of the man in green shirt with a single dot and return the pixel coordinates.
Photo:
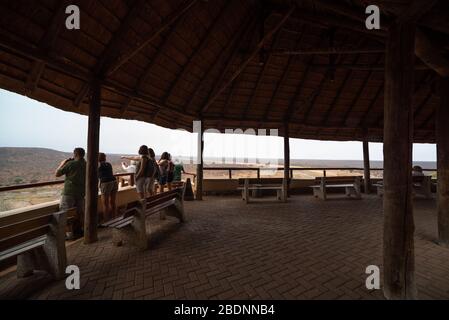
(74, 190)
(178, 171)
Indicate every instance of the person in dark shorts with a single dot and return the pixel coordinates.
(170, 174)
(163, 169)
(108, 187)
(73, 193)
(155, 176)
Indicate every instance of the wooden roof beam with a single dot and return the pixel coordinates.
(112, 47)
(326, 21)
(46, 44)
(234, 44)
(274, 44)
(339, 91)
(415, 10)
(201, 46)
(326, 51)
(430, 54)
(316, 93)
(153, 61)
(359, 93)
(347, 11)
(423, 81)
(284, 77)
(291, 110)
(78, 72)
(248, 60)
(125, 57)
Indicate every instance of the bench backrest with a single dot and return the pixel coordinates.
(19, 228)
(261, 181)
(158, 199)
(339, 180)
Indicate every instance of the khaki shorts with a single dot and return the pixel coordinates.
(141, 184)
(68, 202)
(108, 187)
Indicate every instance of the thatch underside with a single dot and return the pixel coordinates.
(234, 64)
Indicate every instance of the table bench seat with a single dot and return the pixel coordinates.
(276, 184)
(351, 184)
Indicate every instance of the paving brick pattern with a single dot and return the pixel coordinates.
(303, 249)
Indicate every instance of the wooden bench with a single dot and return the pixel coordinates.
(351, 184)
(257, 185)
(37, 237)
(422, 185)
(132, 227)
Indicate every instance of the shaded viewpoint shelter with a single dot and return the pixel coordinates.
(309, 68)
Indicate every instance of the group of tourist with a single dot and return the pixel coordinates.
(151, 176)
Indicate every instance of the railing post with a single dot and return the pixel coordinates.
(230, 174)
(258, 173)
(131, 179)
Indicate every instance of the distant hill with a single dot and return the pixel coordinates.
(29, 165)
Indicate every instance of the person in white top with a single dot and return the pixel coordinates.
(131, 168)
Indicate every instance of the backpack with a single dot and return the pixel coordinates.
(150, 168)
(157, 170)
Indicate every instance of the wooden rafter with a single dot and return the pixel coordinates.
(415, 10)
(311, 101)
(341, 9)
(424, 80)
(46, 44)
(247, 61)
(274, 44)
(112, 47)
(200, 47)
(423, 103)
(430, 54)
(364, 118)
(221, 77)
(321, 51)
(339, 91)
(284, 77)
(229, 97)
(162, 47)
(234, 44)
(359, 93)
(123, 58)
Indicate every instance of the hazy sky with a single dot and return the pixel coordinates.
(28, 123)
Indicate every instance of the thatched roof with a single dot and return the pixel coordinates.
(232, 63)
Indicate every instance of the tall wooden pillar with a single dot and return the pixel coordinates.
(398, 246)
(442, 139)
(366, 167)
(287, 157)
(93, 143)
(199, 166)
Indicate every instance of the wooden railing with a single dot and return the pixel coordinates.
(258, 171)
(56, 182)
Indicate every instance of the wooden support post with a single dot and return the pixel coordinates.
(442, 138)
(366, 168)
(398, 246)
(93, 142)
(287, 159)
(199, 166)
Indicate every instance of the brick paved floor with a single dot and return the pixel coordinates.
(304, 249)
